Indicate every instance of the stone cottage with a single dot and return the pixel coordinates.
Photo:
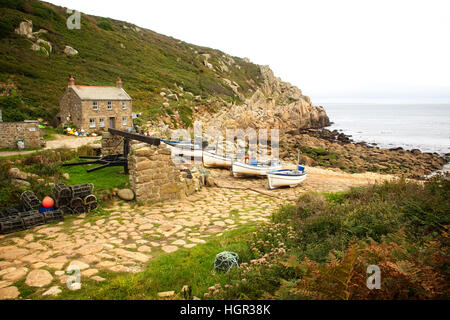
(95, 108)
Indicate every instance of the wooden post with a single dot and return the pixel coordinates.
(126, 150)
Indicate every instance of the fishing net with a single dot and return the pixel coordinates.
(226, 260)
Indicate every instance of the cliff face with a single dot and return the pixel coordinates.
(274, 105)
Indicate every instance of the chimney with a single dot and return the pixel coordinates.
(119, 83)
(71, 81)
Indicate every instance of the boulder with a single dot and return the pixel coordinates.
(25, 29)
(68, 50)
(126, 194)
(20, 183)
(15, 173)
(173, 96)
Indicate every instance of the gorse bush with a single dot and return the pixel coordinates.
(321, 248)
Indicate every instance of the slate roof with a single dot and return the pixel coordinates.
(100, 93)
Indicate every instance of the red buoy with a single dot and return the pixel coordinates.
(48, 202)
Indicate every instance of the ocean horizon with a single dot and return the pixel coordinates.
(423, 126)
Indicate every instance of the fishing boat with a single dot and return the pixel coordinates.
(286, 177)
(255, 168)
(212, 159)
(185, 150)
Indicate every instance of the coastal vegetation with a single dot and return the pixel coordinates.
(147, 62)
(319, 248)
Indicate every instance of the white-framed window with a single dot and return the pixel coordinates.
(101, 122)
(124, 121)
(92, 123)
(124, 105)
(109, 105)
(95, 105)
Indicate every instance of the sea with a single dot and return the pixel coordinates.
(411, 126)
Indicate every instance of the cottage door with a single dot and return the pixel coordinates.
(112, 123)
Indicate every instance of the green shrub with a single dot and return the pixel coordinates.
(105, 25)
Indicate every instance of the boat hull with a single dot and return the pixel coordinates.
(212, 160)
(243, 169)
(278, 180)
(186, 152)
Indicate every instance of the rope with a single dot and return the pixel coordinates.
(226, 260)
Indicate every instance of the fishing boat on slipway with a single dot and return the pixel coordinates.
(255, 168)
(286, 177)
(213, 159)
(185, 149)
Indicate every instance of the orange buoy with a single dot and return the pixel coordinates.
(48, 202)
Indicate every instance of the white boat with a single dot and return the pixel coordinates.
(214, 160)
(255, 168)
(286, 177)
(185, 150)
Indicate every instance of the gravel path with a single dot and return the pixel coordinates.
(61, 141)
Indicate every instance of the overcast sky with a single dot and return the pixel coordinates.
(332, 50)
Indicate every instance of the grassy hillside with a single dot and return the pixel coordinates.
(146, 62)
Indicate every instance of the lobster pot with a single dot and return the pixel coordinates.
(65, 210)
(92, 206)
(9, 212)
(89, 199)
(62, 202)
(82, 190)
(32, 219)
(29, 201)
(11, 224)
(52, 216)
(76, 202)
(60, 190)
(79, 210)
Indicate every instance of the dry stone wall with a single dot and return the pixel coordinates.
(155, 177)
(29, 131)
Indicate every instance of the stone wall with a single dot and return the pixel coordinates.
(70, 104)
(29, 131)
(155, 177)
(111, 144)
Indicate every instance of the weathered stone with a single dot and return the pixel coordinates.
(53, 291)
(126, 194)
(89, 273)
(166, 294)
(144, 248)
(9, 293)
(16, 275)
(90, 249)
(38, 278)
(169, 249)
(98, 279)
(132, 255)
(79, 264)
(13, 253)
(68, 50)
(4, 284)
